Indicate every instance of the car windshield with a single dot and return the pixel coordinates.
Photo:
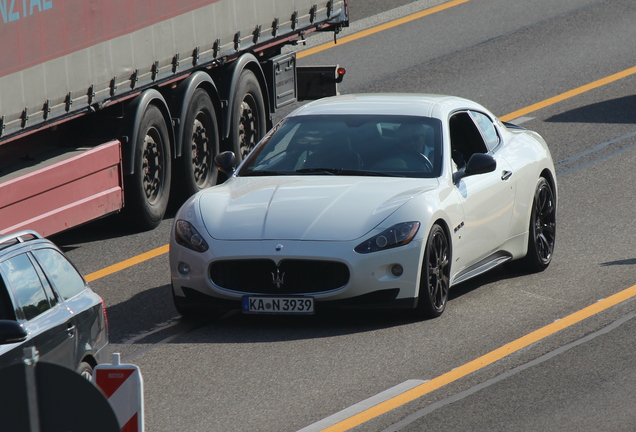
(372, 145)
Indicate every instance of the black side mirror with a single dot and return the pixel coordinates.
(225, 162)
(479, 163)
(11, 332)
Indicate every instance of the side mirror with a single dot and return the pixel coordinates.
(11, 332)
(225, 162)
(479, 163)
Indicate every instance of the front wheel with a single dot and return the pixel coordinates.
(542, 230)
(435, 279)
(191, 312)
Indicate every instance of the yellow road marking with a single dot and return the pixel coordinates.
(128, 263)
(482, 361)
(381, 27)
(569, 94)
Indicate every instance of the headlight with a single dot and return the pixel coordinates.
(398, 235)
(187, 236)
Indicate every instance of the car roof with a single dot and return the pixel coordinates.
(15, 240)
(428, 105)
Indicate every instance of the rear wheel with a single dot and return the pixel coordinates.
(148, 188)
(435, 279)
(85, 370)
(542, 230)
(248, 115)
(195, 169)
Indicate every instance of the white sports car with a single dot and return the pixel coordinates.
(366, 200)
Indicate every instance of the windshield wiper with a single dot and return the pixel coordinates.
(330, 171)
(341, 171)
(263, 173)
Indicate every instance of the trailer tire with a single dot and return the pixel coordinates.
(248, 115)
(195, 168)
(148, 188)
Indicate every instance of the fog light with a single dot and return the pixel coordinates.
(183, 268)
(397, 270)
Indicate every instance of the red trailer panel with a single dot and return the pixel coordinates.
(65, 193)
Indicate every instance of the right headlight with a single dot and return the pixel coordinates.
(187, 236)
(398, 235)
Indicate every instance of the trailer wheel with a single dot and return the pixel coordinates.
(195, 169)
(148, 189)
(248, 115)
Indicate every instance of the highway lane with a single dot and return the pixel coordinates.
(247, 373)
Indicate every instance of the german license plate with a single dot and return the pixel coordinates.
(278, 305)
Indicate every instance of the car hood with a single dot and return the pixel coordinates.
(336, 208)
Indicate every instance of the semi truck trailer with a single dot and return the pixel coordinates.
(119, 106)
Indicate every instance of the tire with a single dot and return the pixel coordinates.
(195, 169)
(189, 312)
(86, 370)
(148, 189)
(248, 115)
(435, 279)
(542, 230)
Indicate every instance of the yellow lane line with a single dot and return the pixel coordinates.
(128, 263)
(569, 94)
(482, 361)
(381, 27)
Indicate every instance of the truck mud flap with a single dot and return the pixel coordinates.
(315, 82)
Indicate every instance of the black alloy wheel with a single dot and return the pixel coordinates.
(542, 230)
(435, 279)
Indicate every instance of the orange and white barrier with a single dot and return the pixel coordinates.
(123, 386)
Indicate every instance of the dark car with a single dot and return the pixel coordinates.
(46, 303)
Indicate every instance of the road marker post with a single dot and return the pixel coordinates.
(122, 384)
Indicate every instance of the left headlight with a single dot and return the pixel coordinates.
(187, 236)
(398, 235)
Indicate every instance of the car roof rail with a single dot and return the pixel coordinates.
(18, 237)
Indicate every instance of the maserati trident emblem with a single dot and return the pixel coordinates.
(278, 278)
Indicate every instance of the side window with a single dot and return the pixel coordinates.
(466, 138)
(60, 272)
(487, 129)
(25, 285)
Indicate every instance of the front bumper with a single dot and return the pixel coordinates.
(370, 282)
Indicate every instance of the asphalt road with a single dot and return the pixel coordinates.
(278, 374)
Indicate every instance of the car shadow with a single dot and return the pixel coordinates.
(139, 315)
(614, 111)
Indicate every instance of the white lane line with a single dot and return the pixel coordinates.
(159, 327)
(362, 406)
(522, 119)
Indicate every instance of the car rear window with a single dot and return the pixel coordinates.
(60, 272)
(6, 307)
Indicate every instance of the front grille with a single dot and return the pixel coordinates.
(290, 277)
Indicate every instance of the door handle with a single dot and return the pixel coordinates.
(70, 329)
(506, 175)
